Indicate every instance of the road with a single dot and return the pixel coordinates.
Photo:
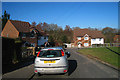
(80, 67)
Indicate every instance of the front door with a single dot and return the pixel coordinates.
(79, 45)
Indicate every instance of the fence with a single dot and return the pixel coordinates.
(28, 51)
(106, 45)
(96, 45)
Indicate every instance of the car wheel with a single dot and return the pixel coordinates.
(38, 74)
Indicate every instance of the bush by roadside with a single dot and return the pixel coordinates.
(12, 55)
(8, 50)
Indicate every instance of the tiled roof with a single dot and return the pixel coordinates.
(21, 26)
(91, 33)
(39, 30)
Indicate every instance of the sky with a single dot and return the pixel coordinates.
(75, 14)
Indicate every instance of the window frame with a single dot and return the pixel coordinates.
(86, 37)
(32, 36)
(87, 45)
(23, 35)
(100, 39)
(79, 38)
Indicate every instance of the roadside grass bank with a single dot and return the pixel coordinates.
(102, 54)
(116, 49)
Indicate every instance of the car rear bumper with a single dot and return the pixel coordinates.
(51, 70)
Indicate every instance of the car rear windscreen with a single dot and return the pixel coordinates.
(50, 53)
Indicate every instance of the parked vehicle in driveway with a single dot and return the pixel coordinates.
(51, 60)
(37, 49)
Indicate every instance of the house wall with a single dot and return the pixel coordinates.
(116, 39)
(86, 41)
(41, 41)
(82, 41)
(31, 40)
(68, 45)
(89, 41)
(97, 41)
(10, 31)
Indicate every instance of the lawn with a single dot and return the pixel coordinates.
(116, 49)
(102, 54)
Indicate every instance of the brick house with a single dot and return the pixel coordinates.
(23, 30)
(86, 37)
(117, 38)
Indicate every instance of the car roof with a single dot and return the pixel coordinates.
(54, 48)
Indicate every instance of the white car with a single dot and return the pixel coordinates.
(51, 61)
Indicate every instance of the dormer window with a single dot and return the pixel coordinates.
(32, 34)
(85, 38)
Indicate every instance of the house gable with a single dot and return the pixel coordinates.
(10, 31)
(23, 30)
(21, 26)
(87, 37)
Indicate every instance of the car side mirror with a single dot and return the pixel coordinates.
(68, 54)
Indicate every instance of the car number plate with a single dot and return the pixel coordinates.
(49, 61)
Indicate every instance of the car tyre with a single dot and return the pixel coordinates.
(38, 74)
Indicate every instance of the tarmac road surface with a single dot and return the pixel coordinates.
(80, 67)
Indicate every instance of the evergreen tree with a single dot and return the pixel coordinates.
(5, 18)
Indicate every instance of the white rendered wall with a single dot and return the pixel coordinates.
(79, 38)
(97, 41)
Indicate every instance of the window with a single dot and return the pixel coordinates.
(33, 31)
(24, 35)
(33, 44)
(85, 38)
(44, 37)
(93, 39)
(32, 35)
(50, 53)
(85, 44)
(79, 38)
(7, 35)
(99, 39)
(79, 42)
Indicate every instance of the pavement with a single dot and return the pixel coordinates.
(80, 67)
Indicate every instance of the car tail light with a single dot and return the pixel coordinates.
(62, 52)
(38, 53)
(65, 70)
(35, 70)
(50, 49)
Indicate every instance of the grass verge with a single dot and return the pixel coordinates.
(102, 54)
(116, 49)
